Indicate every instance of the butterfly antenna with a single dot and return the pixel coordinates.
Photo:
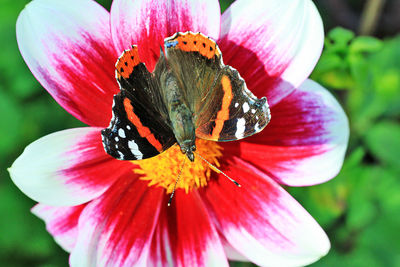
(217, 170)
(176, 182)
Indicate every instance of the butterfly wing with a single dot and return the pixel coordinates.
(234, 112)
(195, 61)
(133, 76)
(224, 109)
(138, 128)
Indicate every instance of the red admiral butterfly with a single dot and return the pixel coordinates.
(191, 93)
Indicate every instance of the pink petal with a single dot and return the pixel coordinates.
(233, 254)
(61, 222)
(305, 142)
(116, 229)
(273, 44)
(67, 168)
(147, 22)
(262, 221)
(185, 235)
(68, 47)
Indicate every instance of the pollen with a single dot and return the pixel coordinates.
(163, 170)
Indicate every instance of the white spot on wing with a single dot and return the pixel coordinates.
(116, 139)
(253, 110)
(128, 127)
(240, 128)
(236, 105)
(121, 133)
(121, 156)
(245, 107)
(135, 149)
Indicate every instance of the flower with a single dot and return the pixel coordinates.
(107, 212)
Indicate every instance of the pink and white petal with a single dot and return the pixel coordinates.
(262, 221)
(305, 142)
(71, 54)
(185, 235)
(273, 44)
(232, 254)
(116, 229)
(148, 22)
(160, 251)
(61, 223)
(66, 168)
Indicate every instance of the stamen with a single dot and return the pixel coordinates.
(166, 169)
(217, 170)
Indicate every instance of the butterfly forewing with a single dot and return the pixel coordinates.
(196, 67)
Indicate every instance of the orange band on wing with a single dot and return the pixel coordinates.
(223, 113)
(143, 130)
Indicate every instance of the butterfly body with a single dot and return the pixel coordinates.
(180, 116)
(190, 94)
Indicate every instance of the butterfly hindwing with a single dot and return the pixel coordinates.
(138, 128)
(234, 113)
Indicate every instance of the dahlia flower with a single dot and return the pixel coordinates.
(108, 212)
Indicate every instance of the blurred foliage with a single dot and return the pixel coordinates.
(359, 209)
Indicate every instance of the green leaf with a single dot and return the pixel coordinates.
(383, 139)
(332, 69)
(339, 37)
(365, 44)
(11, 120)
(377, 85)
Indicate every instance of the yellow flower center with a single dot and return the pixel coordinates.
(163, 170)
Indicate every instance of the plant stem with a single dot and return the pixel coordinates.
(370, 16)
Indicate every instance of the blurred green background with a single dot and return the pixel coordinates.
(359, 209)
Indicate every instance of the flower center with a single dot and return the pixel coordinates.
(163, 170)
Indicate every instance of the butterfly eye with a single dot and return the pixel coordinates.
(193, 148)
(183, 150)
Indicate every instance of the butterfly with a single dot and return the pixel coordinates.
(190, 94)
